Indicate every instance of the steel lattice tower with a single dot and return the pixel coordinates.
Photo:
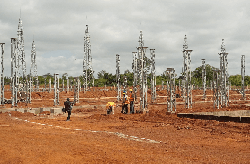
(76, 90)
(56, 89)
(33, 67)
(204, 77)
(243, 76)
(135, 71)
(21, 64)
(216, 91)
(142, 72)
(171, 91)
(14, 72)
(187, 74)
(2, 76)
(118, 77)
(88, 72)
(224, 76)
(153, 76)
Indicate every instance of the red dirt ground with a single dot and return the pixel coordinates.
(94, 137)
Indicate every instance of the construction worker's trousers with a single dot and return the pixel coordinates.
(69, 113)
(132, 107)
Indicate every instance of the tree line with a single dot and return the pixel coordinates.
(108, 79)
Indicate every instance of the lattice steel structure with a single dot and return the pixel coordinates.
(153, 76)
(187, 92)
(14, 72)
(204, 77)
(171, 106)
(243, 76)
(76, 90)
(135, 71)
(216, 91)
(56, 89)
(88, 73)
(33, 67)
(21, 64)
(118, 77)
(2, 75)
(142, 73)
(224, 90)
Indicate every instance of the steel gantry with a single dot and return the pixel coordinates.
(204, 77)
(56, 89)
(224, 90)
(2, 75)
(142, 73)
(171, 104)
(33, 68)
(153, 76)
(88, 73)
(135, 71)
(118, 77)
(216, 91)
(14, 72)
(76, 90)
(243, 76)
(187, 91)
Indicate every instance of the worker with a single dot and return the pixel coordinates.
(125, 103)
(131, 99)
(68, 108)
(110, 107)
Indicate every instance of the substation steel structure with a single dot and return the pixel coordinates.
(187, 88)
(2, 75)
(224, 86)
(33, 68)
(142, 73)
(216, 91)
(88, 73)
(204, 77)
(153, 76)
(243, 76)
(135, 71)
(118, 76)
(76, 90)
(171, 104)
(56, 89)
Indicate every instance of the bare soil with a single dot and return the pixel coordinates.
(94, 137)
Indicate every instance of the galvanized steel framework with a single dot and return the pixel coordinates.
(243, 76)
(2, 76)
(142, 73)
(171, 91)
(33, 67)
(216, 91)
(118, 77)
(135, 71)
(14, 72)
(153, 76)
(76, 90)
(56, 89)
(88, 77)
(187, 90)
(204, 77)
(224, 89)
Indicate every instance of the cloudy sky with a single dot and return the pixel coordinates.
(58, 28)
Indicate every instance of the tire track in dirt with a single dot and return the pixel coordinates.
(120, 135)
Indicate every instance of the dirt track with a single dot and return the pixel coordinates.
(94, 137)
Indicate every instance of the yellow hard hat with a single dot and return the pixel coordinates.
(131, 90)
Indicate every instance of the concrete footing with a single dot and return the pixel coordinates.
(242, 116)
